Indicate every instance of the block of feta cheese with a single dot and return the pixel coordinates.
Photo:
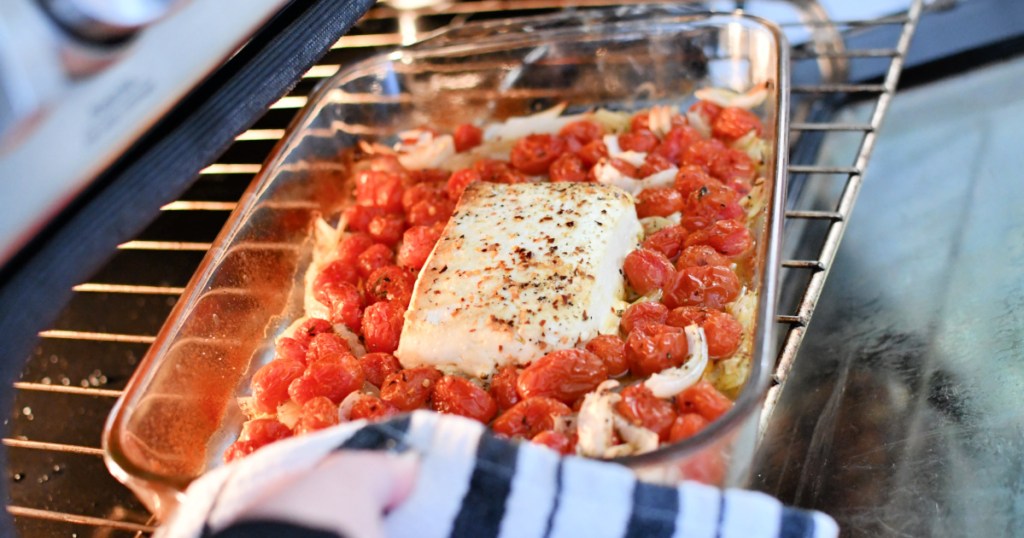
(520, 270)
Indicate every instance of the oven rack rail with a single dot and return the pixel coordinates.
(219, 186)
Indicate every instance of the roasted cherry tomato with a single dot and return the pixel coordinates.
(675, 143)
(351, 246)
(691, 178)
(643, 313)
(503, 387)
(326, 346)
(581, 132)
(410, 388)
(382, 326)
(373, 258)
(564, 375)
(346, 304)
(496, 171)
(358, 217)
(317, 414)
(310, 328)
(534, 153)
(639, 406)
(380, 189)
(417, 242)
(647, 270)
(653, 164)
(722, 331)
(592, 152)
(707, 110)
(386, 229)
(685, 426)
(423, 191)
(428, 175)
(702, 152)
(708, 205)
(699, 256)
(467, 136)
(568, 167)
(333, 378)
(377, 366)
(290, 349)
(459, 396)
(370, 407)
(711, 286)
(658, 202)
(732, 123)
(390, 283)
(459, 180)
(270, 383)
(728, 237)
(430, 212)
(734, 169)
(668, 241)
(704, 399)
(652, 348)
(256, 433)
(557, 441)
(612, 350)
(641, 141)
(529, 417)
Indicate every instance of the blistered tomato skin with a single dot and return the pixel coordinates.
(430, 212)
(351, 246)
(733, 122)
(644, 313)
(290, 349)
(734, 169)
(459, 180)
(339, 270)
(530, 417)
(639, 406)
(332, 378)
(592, 152)
(653, 164)
(710, 286)
(691, 178)
(652, 348)
(503, 387)
(700, 256)
(370, 407)
(467, 136)
(386, 229)
(458, 396)
(702, 152)
(612, 350)
(270, 383)
(647, 270)
(658, 202)
(376, 256)
(382, 326)
(675, 143)
(326, 346)
(564, 375)
(411, 388)
(377, 366)
(390, 283)
(568, 167)
(722, 331)
(534, 153)
(557, 441)
(317, 414)
(310, 328)
(685, 426)
(380, 189)
(345, 301)
(358, 217)
(417, 242)
(668, 241)
(641, 141)
(728, 237)
(581, 132)
(703, 399)
(263, 431)
(710, 204)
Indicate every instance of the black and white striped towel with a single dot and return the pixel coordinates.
(469, 483)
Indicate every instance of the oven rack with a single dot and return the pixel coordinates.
(57, 479)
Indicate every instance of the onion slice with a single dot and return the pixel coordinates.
(672, 381)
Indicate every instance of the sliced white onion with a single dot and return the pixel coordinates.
(726, 97)
(546, 121)
(614, 122)
(609, 175)
(345, 408)
(638, 438)
(699, 123)
(659, 119)
(672, 381)
(354, 345)
(595, 424)
(428, 152)
(288, 413)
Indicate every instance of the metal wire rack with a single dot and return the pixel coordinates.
(59, 485)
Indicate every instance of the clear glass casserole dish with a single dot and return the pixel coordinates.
(179, 412)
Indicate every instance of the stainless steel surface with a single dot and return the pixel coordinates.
(901, 415)
(58, 483)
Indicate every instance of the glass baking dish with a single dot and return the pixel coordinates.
(179, 411)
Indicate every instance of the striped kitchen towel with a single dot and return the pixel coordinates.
(463, 482)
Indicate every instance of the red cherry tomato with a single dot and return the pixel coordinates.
(592, 152)
(377, 366)
(337, 271)
(732, 123)
(653, 164)
(534, 153)
(658, 202)
(351, 246)
(495, 171)
(685, 426)
(564, 375)
(310, 328)
(722, 331)
(417, 242)
(675, 143)
(290, 349)
(557, 441)
(333, 378)
(411, 388)
(702, 152)
(358, 217)
(612, 350)
(639, 406)
(373, 258)
(581, 132)
(568, 167)
(643, 313)
(734, 169)
(640, 122)
(708, 110)
(326, 346)
(380, 189)
(503, 387)
(467, 136)
(428, 175)
(423, 191)
(382, 326)
(700, 256)
(711, 286)
(710, 204)
(530, 417)
(692, 178)
(370, 407)
(652, 348)
(430, 212)
(390, 283)
(642, 141)
(346, 304)
(647, 270)
(668, 241)
(704, 399)
(386, 229)
(317, 414)
(458, 396)
(459, 180)
(728, 237)
(256, 433)
(270, 383)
